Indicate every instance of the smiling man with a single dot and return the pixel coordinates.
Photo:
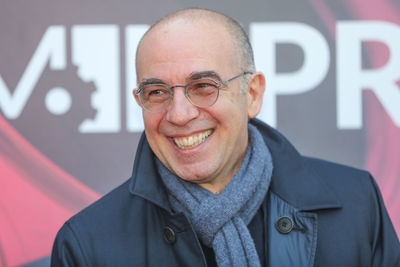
(182, 50)
(211, 185)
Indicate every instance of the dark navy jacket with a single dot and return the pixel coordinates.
(338, 215)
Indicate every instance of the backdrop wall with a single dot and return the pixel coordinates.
(69, 125)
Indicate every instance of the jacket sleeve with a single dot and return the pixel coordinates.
(66, 249)
(385, 243)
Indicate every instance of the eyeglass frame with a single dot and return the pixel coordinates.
(171, 93)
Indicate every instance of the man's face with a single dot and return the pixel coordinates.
(201, 145)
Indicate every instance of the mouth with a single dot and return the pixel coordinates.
(192, 140)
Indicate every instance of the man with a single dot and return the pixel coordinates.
(211, 185)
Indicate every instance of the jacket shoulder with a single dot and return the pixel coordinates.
(104, 207)
(361, 222)
(105, 225)
(337, 173)
(351, 186)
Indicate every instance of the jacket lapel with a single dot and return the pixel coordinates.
(296, 192)
(292, 179)
(145, 181)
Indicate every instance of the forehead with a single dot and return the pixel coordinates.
(181, 47)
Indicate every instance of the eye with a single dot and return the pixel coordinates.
(202, 87)
(155, 93)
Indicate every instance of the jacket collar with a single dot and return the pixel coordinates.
(145, 181)
(293, 179)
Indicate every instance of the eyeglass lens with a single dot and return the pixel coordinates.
(201, 93)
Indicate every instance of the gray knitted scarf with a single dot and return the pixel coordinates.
(220, 220)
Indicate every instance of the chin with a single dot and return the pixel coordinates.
(197, 178)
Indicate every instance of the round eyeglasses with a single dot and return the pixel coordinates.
(202, 93)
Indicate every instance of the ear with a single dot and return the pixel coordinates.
(136, 96)
(255, 94)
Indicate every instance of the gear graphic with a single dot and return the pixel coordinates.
(78, 94)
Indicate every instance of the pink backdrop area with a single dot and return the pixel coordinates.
(36, 198)
(383, 136)
(49, 169)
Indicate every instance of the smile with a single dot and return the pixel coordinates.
(192, 141)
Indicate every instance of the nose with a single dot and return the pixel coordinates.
(180, 111)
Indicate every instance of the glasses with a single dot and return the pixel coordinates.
(202, 93)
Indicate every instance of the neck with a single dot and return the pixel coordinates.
(217, 186)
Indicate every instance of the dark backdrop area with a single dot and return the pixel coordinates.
(69, 125)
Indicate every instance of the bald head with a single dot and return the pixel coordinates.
(243, 52)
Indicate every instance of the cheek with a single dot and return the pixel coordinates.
(151, 125)
(232, 109)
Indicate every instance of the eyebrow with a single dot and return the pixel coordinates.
(204, 74)
(150, 81)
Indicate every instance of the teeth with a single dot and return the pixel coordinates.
(193, 140)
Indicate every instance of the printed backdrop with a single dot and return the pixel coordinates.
(69, 126)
